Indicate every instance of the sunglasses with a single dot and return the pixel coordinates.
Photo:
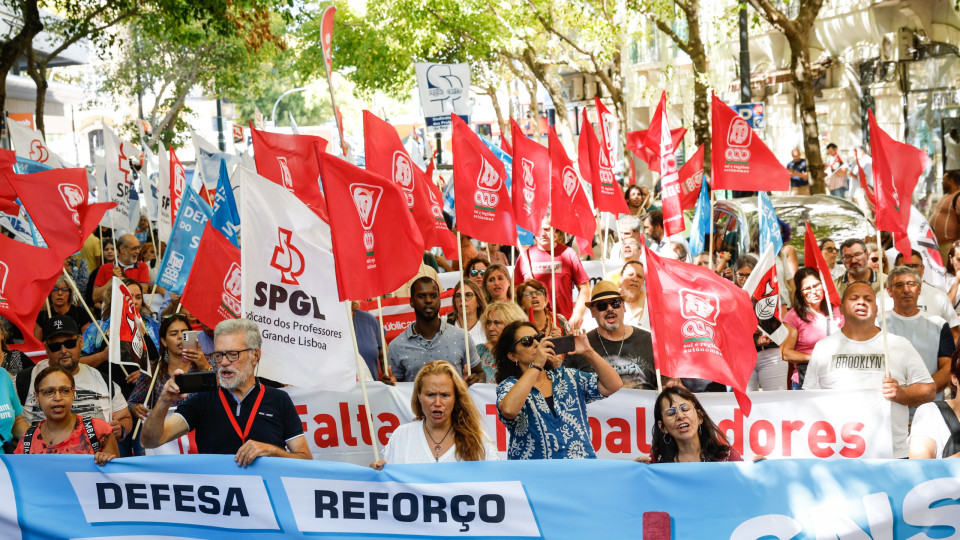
(672, 411)
(604, 304)
(60, 289)
(475, 272)
(68, 343)
(528, 341)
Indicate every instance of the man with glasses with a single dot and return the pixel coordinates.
(929, 334)
(126, 264)
(854, 254)
(243, 417)
(931, 301)
(62, 341)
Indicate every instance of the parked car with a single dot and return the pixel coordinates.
(830, 217)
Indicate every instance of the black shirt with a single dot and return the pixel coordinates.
(276, 423)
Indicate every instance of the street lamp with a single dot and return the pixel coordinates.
(273, 115)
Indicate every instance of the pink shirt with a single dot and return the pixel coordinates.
(810, 332)
(569, 272)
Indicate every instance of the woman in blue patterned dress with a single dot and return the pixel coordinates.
(546, 410)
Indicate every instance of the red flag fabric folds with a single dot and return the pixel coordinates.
(896, 169)
(658, 139)
(691, 176)
(387, 157)
(212, 292)
(607, 195)
(649, 155)
(8, 196)
(377, 246)
(291, 161)
(27, 274)
(741, 161)
(813, 257)
(483, 203)
(704, 325)
(571, 212)
(531, 180)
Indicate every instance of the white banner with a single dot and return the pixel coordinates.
(29, 144)
(290, 289)
(117, 171)
(444, 89)
(165, 209)
(786, 424)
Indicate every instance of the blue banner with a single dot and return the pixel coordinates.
(768, 224)
(177, 261)
(28, 166)
(64, 496)
(226, 219)
(702, 221)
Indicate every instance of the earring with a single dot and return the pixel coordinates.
(700, 429)
(665, 435)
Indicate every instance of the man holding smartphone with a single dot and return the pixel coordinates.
(242, 417)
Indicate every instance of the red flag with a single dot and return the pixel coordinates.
(206, 195)
(658, 139)
(291, 161)
(483, 203)
(573, 213)
(704, 325)
(607, 195)
(740, 160)
(212, 292)
(377, 246)
(607, 151)
(27, 273)
(387, 157)
(813, 257)
(178, 181)
(896, 169)
(326, 38)
(504, 144)
(531, 180)
(691, 176)
(56, 201)
(8, 196)
(649, 156)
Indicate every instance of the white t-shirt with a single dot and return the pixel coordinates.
(923, 332)
(476, 333)
(838, 362)
(408, 444)
(928, 423)
(932, 301)
(90, 400)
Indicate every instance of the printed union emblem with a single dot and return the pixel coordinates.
(285, 176)
(570, 181)
(72, 197)
(287, 258)
(366, 198)
(699, 305)
(38, 152)
(232, 289)
(739, 133)
(489, 182)
(403, 174)
(528, 173)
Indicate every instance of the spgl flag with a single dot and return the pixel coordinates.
(127, 344)
(704, 325)
(376, 245)
(896, 169)
(607, 195)
(482, 202)
(291, 161)
(181, 251)
(658, 137)
(29, 144)
(764, 290)
(571, 210)
(702, 221)
(531, 180)
(117, 170)
(226, 218)
(27, 273)
(212, 292)
(741, 161)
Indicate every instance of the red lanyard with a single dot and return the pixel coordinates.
(253, 414)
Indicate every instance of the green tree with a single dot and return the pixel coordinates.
(13, 45)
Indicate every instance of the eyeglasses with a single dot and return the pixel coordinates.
(65, 391)
(220, 356)
(810, 289)
(475, 272)
(604, 304)
(744, 275)
(672, 411)
(830, 249)
(905, 284)
(68, 343)
(874, 259)
(534, 292)
(60, 289)
(468, 296)
(852, 256)
(527, 341)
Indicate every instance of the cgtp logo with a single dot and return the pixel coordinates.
(529, 187)
(73, 197)
(489, 183)
(179, 181)
(39, 152)
(570, 181)
(287, 258)
(232, 288)
(366, 198)
(285, 178)
(435, 207)
(403, 174)
(4, 270)
(701, 310)
(739, 137)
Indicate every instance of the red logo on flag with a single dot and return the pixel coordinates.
(3, 278)
(287, 258)
(237, 133)
(38, 152)
(489, 183)
(232, 288)
(285, 177)
(701, 310)
(366, 198)
(403, 174)
(72, 197)
(570, 181)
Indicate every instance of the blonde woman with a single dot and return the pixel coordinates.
(447, 425)
(494, 319)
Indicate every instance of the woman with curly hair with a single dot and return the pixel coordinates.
(683, 431)
(447, 425)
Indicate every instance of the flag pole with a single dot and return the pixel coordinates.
(553, 275)
(383, 337)
(363, 382)
(76, 292)
(603, 249)
(46, 304)
(463, 308)
(513, 278)
(882, 297)
(712, 232)
(146, 399)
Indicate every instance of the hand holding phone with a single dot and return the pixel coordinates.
(564, 344)
(190, 340)
(203, 381)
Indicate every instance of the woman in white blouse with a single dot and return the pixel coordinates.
(935, 431)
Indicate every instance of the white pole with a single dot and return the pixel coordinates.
(553, 275)
(383, 338)
(363, 383)
(603, 248)
(712, 232)
(882, 297)
(76, 291)
(463, 308)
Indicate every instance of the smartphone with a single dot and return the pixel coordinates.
(203, 381)
(190, 340)
(563, 344)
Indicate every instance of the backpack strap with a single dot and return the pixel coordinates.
(28, 439)
(953, 444)
(23, 384)
(91, 434)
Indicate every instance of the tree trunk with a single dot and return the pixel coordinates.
(38, 72)
(549, 82)
(803, 83)
(10, 50)
(701, 99)
(504, 124)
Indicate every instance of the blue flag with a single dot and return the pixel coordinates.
(226, 219)
(702, 221)
(768, 225)
(184, 241)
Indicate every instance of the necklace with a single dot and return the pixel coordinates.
(605, 353)
(437, 444)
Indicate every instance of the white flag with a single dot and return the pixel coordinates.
(29, 144)
(117, 169)
(165, 218)
(127, 344)
(289, 289)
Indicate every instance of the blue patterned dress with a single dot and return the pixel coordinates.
(536, 433)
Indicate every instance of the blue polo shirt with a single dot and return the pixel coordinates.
(410, 351)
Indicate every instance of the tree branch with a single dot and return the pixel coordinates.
(665, 28)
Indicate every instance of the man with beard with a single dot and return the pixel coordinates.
(430, 338)
(61, 339)
(243, 417)
(854, 255)
(627, 348)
